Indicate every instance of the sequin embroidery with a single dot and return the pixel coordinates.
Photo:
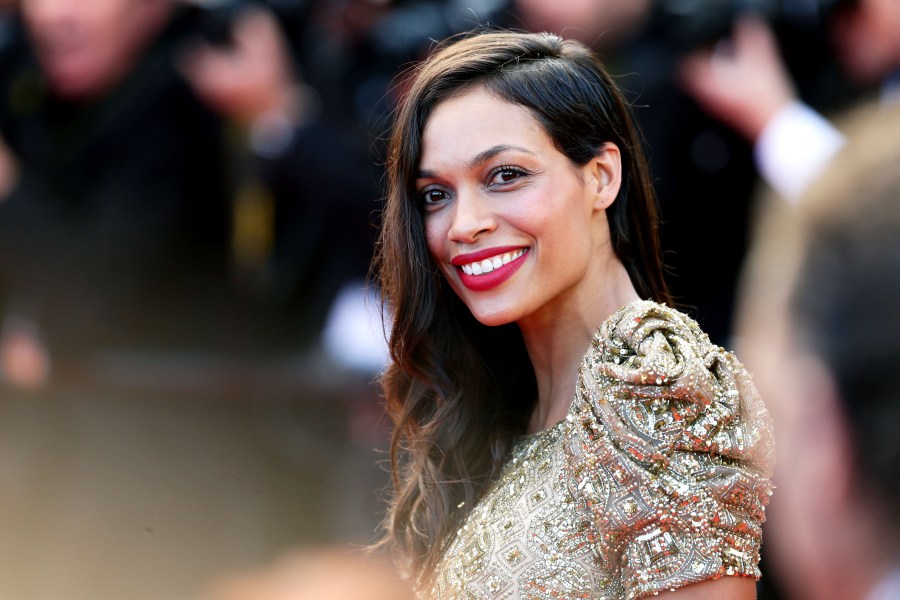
(657, 478)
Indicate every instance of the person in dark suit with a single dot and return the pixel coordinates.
(115, 232)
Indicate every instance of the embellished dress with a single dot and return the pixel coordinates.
(658, 477)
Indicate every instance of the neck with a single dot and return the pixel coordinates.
(557, 338)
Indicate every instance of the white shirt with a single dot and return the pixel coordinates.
(798, 143)
(794, 148)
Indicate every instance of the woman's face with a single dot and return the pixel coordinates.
(515, 227)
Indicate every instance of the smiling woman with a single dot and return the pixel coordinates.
(522, 196)
(559, 430)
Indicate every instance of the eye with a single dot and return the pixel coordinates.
(505, 175)
(433, 196)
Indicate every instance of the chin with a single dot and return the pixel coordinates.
(491, 309)
(493, 321)
(74, 83)
(492, 316)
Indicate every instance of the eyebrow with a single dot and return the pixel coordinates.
(479, 159)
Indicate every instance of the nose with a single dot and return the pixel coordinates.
(472, 217)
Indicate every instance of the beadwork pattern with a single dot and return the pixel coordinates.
(658, 477)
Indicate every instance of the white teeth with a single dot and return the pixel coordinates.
(489, 264)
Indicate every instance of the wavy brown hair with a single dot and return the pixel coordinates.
(459, 392)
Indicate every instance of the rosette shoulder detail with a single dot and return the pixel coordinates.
(671, 451)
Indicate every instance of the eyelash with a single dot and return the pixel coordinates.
(519, 172)
(507, 169)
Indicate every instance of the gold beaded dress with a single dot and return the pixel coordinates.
(658, 477)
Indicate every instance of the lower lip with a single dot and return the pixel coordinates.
(481, 283)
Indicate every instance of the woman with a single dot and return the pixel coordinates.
(519, 233)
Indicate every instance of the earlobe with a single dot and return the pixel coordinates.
(606, 173)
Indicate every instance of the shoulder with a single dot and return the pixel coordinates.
(658, 384)
(625, 332)
(672, 449)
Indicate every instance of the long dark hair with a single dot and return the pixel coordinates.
(457, 391)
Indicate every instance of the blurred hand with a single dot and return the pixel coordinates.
(251, 79)
(743, 82)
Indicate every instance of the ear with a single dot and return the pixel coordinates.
(604, 175)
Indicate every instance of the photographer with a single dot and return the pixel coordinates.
(749, 88)
(306, 167)
(114, 231)
(705, 170)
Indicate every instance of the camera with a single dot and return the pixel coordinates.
(686, 25)
(214, 19)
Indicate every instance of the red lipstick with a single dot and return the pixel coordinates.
(486, 281)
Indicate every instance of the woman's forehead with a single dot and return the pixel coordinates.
(467, 125)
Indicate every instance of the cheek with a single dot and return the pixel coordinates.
(435, 235)
(561, 227)
(436, 226)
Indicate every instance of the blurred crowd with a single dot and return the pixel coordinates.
(175, 181)
(203, 178)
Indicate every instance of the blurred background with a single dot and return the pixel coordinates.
(189, 195)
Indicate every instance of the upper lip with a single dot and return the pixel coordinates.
(464, 259)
